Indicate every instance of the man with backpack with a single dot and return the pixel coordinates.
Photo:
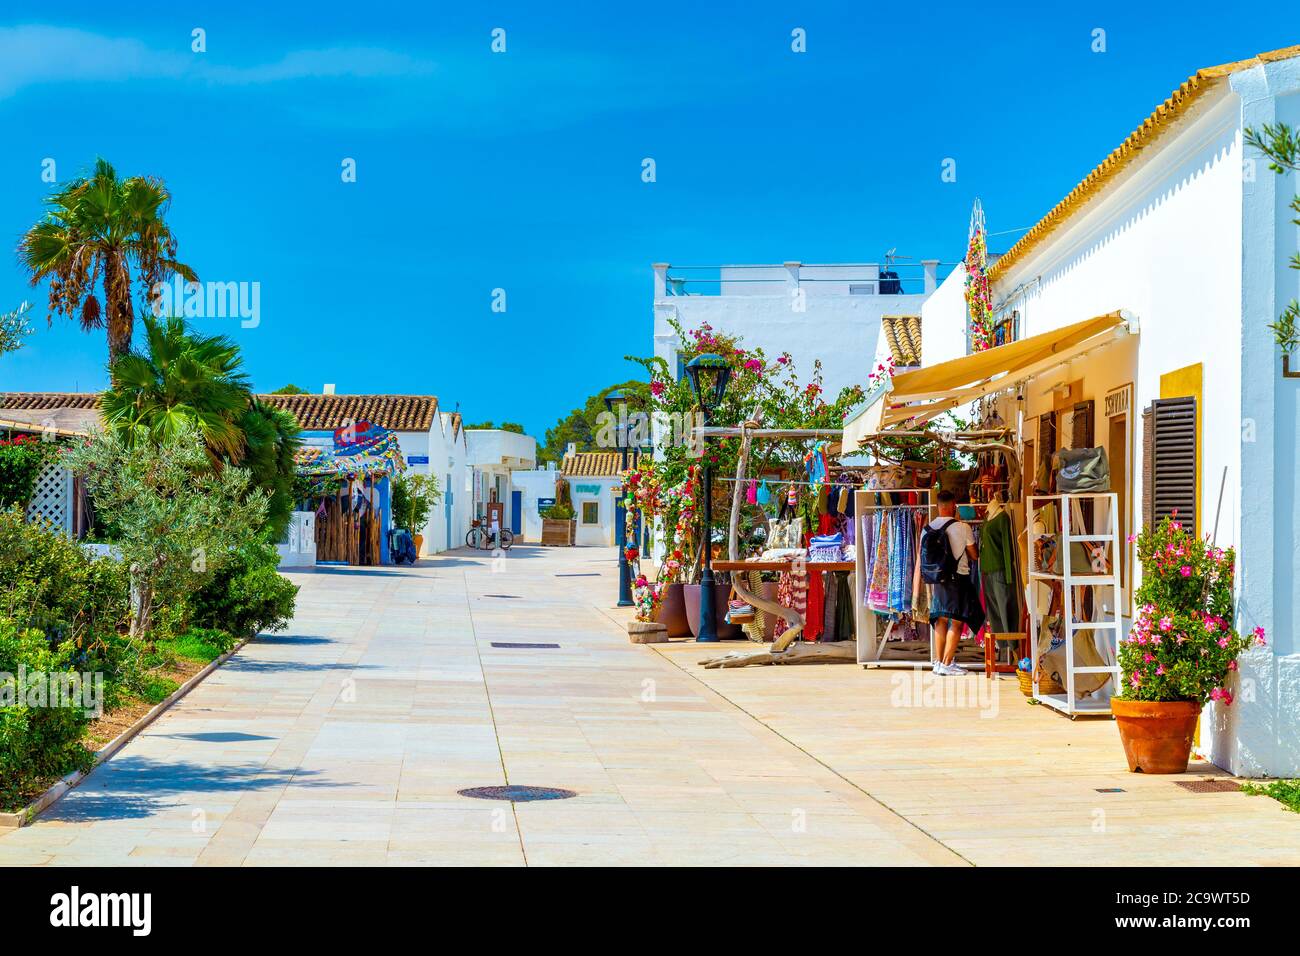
(947, 550)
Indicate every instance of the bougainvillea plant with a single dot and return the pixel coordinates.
(979, 299)
(1183, 644)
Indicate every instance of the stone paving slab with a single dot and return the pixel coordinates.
(345, 741)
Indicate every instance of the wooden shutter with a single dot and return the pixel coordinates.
(1173, 460)
(1081, 426)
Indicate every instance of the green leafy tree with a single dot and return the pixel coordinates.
(413, 496)
(515, 427)
(290, 389)
(103, 231)
(582, 425)
(177, 520)
(1281, 144)
(271, 440)
(13, 328)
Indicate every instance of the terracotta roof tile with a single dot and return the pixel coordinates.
(42, 401)
(592, 464)
(402, 413)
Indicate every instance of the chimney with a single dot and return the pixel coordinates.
(571, 450)
(327, 389)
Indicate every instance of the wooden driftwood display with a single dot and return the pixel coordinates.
(784, 649)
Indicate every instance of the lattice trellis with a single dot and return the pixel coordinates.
(52, 497)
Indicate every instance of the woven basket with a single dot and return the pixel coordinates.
(1046, 685)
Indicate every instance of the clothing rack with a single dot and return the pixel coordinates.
(871, 641)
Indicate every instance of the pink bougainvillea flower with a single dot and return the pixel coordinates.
(1185, 571)
(1216, 693)
(1160, 670)
(1223, 642)
(1259, 636)
(1166, 623)
(1147, 658)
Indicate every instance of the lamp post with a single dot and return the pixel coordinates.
(709, 374)
(614, 399)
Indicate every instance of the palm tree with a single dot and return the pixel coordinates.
(182, 378)
(96, 230)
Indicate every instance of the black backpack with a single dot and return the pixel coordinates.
(938, 563)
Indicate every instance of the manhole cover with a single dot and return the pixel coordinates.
(1209, 786)
(515, 596)
(584, 574)
(518, 794)
(521, 646)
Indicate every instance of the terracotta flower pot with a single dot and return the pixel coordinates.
(1157, 735)
(672, 612)
(691, 593)
(419, 543)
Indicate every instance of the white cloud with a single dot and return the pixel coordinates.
(37, 54)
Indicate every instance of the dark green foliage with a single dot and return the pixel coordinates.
(246, 596)
(270, 442)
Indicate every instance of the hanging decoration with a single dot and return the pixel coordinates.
(362, 452)
(979, 300)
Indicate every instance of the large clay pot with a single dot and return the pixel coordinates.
(672, 612)
(1157, 735)
(419, 543)
(726, 632)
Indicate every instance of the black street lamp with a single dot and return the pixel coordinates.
(709, 374)
(615, 399)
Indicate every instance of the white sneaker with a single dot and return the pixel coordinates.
(952, 670)
(937, 667)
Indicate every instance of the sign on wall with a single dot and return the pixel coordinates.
(1119, 401)
(417, 459)
(544, 503)
(586, 489)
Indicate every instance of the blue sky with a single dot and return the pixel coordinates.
(521, 171)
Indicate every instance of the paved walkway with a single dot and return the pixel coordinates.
(345, 740)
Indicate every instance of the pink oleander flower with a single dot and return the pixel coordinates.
(1223, 642)
(1147, 658)
(1166, 623)
(1185, 571)
(1160, 670)
(1259, 636)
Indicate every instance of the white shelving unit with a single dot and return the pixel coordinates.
(1105, 510)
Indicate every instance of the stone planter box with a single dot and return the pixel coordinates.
(559, 533)
(646, 632)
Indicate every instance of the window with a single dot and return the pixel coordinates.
(1169, 461)
(862, 288)
(591, 512)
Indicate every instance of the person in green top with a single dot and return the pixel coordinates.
(999, 570)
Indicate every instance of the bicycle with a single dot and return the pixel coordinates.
(481, 539)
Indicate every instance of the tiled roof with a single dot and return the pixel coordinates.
(903, 333)
(592, 464)
(43, 401)
(1152, 127)
(402, 413)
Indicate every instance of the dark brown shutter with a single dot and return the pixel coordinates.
(1081, 427)
(1173, 460)
(1148, 455)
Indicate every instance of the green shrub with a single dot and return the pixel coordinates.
(37, 743)
(202, 644)
(49, 582)
(558, 512)
(21, 461)
(246, 595)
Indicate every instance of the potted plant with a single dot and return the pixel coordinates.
(413, 496)
(558, 524)
(1181, 649)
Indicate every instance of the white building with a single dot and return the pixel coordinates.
(827, 312)
(1178, 242)
(495, 455)
(537, 491)
(592, 478)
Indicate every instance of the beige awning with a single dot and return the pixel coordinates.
(865, 422)
(918, 396)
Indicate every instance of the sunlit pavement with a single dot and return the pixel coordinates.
(345, 739)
